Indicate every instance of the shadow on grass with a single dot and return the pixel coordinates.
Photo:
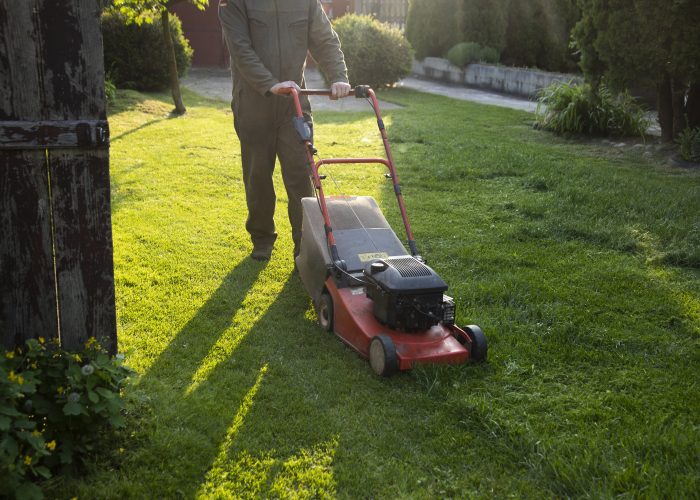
(143, 126)
(195, 421)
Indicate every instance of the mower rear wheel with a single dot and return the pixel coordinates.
(325, 312)
(382, 356)
(479, 349)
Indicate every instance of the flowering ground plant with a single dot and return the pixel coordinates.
(55, 406)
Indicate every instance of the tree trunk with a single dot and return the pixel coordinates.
(679, 90)
(665, 107)
(172, 64)
(692, 105)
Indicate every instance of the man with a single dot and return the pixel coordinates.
(268, 41)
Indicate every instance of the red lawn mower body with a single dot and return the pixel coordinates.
(365, 286)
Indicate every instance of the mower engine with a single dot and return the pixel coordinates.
(407, 295)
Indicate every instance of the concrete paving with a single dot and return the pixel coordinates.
(216, 84)
(468, 94)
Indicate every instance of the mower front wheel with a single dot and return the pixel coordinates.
(325, 312)
(479, 348)
(382, 356)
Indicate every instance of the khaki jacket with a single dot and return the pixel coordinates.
(268, 41)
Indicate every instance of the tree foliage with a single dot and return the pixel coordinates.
(484, 22)
(432, 26)
(525, 32)
(140, 11)
(633, 42)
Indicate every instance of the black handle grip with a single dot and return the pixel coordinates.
(362, 91)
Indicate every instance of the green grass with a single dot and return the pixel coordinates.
(580, 261)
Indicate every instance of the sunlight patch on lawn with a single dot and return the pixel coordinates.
(232, 432)
(257, 301)
(307, 474)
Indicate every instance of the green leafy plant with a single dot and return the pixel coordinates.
(110, 90)
(466, 53)
(54, 407)
(689, 144)
(135, 54)
(376, 54)
(564, 108)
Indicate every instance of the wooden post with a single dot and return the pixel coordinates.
(56, 268)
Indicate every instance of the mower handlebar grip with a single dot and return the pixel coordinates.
(360, 91)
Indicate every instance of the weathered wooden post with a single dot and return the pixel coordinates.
(56, 267)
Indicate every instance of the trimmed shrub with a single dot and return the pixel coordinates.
(466, 53)
(135, 55)
(432, 26)
(490, 55)
(566, 109)
(376, 54)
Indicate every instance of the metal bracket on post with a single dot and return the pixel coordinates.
(54, 134)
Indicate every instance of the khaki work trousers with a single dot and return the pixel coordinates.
(265, 130)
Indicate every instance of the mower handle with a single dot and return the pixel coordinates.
(360, 91)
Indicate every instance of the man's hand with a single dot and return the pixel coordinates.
(279, 87)
(340, 89)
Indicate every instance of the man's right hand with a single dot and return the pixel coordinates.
(278, 88)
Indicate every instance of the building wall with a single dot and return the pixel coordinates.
(203, 30)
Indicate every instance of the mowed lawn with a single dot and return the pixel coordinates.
(580, 260)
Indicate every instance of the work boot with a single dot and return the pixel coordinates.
(262, 252)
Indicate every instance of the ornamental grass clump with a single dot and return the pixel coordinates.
(565, 109)
(689, 144)
(55, 408)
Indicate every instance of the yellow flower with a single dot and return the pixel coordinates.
(34, 366)
(9, 355)
(11, 376)
(20, 379)
(60, 390)
(77, 358)
(51, 445)
(91, 341)
(121, 450)
(36, 433)
(27, 460)
(41, 340)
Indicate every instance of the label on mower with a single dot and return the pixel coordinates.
(366, 257)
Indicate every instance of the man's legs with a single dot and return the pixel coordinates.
(254, 123)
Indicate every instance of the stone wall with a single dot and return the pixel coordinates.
(517, 81)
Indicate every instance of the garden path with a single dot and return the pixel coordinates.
(216, 83)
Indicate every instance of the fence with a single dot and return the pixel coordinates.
(56, 270)
(388, 11)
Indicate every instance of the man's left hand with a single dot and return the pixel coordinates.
(339, 90)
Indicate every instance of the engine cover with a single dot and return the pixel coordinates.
(407, 295)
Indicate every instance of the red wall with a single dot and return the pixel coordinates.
(203, 30)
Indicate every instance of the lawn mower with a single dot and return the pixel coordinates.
(383, 302)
